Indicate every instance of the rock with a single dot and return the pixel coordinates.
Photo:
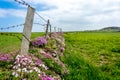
(54, 54)
(42, 51)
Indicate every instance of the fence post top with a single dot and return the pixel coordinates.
(48, 21)
(31, 7)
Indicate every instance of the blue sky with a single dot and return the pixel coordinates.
(70, 15)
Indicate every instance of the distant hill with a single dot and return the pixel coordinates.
(110, 29)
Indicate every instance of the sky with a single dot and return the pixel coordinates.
(70, 15)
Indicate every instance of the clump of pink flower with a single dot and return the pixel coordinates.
(39, 42)
(47, 55)
(62, 49)
(5, 57)
(25, 64)
(43, 76)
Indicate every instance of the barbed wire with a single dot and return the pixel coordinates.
(26, 37)
(40, 16)
(26, 4)
(22, 2)
(11, 34)
(39, 24)
(14, 26)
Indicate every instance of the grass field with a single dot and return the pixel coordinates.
(93, 55)
(11, 43)
(88, 55)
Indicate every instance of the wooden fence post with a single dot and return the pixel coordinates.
(55, 29)
(60, 30)
(46, 34)
(50, 30)
(27, 30)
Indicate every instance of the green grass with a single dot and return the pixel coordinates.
(88, 55)
(11, 43)
(93, 56)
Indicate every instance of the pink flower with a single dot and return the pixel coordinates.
(38, 61)
(62, 49)
(40, 41)
(24, 79)
(5, 57)
(47, 55)
(45, 77)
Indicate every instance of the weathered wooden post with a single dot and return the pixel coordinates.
(50, 30)
(46, 33)
(55, 29)
(59, 30)
(27, 30)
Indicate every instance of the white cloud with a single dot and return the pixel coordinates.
(82, 12)
(17, 13)
(2, 13)
(12, 12)
(72, 14)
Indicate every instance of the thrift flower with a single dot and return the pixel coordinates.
(5, 57)
(24, 79)
(16, 75)
(62, 49)
(43, 76)
(40, 41)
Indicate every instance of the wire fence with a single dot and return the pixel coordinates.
(22, 2)
(14, 26)
(45, 23)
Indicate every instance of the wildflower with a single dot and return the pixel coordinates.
(47, 55)
(16, 75)
(40, 41)
(13, 73)
(19, 70)
(38, 61)
(24, 70)
(42, 65)
(5, 57)
(24, 79)
(32, 63)
(38, 74)
(43, 76)
(31, 71)
(62, 49)
(25, 58)
(15, 67)
(25, 64)
(19, 65)
(18, 56)
(49, 78)
(37, 69)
